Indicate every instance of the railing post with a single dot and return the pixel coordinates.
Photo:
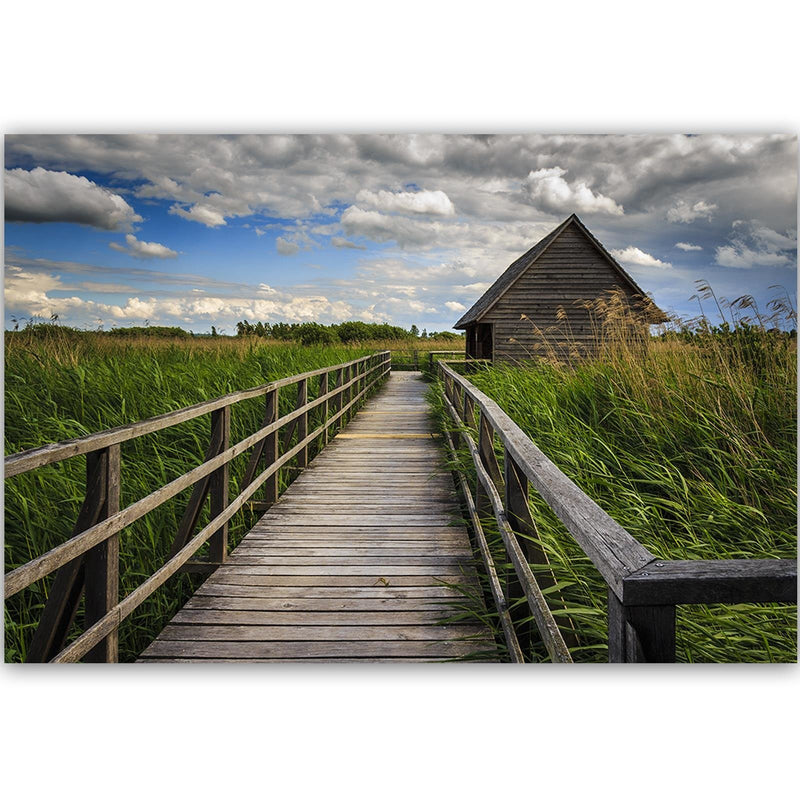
(349, 394)
(639, 634)
(339, 396)
(102, 561)
(416, 360)
(468, 415)
(486, 452)
(68, 584)
(271, 446)
(219, 484)
(302, 422)
(323, 390)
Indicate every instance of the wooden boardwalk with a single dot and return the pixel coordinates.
(351, 564)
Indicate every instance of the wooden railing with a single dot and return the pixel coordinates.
(413, 358)
(88, 562)
(643, 591)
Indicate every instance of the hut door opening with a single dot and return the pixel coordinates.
(484, 336)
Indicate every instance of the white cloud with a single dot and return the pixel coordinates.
(41, 195)
(286, 247)
(455, 306)
(683, 212)
(633, 256)
(385, 228)
(687, 247)
(342, 243)
(753, 244)
(549, 191)
(435, 203)
(200, 212)
(139, 249)
(742, 257)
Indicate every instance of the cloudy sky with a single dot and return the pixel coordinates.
(409, 229)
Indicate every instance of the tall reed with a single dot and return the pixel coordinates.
(688, 440)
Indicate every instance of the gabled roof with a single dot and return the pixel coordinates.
(509, 277)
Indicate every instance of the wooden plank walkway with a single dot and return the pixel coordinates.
(351, 563)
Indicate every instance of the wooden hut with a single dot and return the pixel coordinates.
(548, 302)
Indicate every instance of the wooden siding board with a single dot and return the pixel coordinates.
(568, 264)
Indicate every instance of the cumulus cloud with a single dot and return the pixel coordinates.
(753, 244)
(549, 191)
(342, 243)
(201, 213)
(435, 203)
(684, 212)
(286, 247)
(633, 256)
(42, 195)
(386, 227)
(139, 249)
(455, 306)
(687, 247)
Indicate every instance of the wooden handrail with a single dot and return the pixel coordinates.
(101, 519)
(610, 547)
(89, 639)
(643, 591)
(545, 622)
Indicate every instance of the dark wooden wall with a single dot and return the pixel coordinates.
(570, 270)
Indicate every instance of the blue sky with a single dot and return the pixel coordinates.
(408, 229)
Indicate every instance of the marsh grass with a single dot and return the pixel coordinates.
(62, 385)
(689, 442)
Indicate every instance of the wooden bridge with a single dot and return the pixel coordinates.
(365, 556)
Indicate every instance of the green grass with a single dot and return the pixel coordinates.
(691, 447)
(61, 385)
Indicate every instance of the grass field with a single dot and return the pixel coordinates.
(692, 448)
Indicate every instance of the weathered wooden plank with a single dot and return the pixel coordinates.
(189, 616)
(270, 527)
(225, 589)
(321, 650)
(243, 577)
(377, 561)
(333, 520)
(759, 580)
(393, 605)
(213, 660)
(393, 509)
(278, 633)
(341, 550)
(445, 572)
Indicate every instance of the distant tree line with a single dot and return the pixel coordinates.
(303, 332)
(345, 332)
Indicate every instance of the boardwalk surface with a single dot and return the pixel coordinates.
(351, 563)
